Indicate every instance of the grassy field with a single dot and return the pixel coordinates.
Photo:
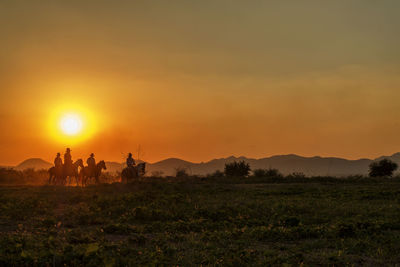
(203, 222)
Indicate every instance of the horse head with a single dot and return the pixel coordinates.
(79, 163)
(101, 165)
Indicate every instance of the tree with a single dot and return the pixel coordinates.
(238, 169)
(382, 168)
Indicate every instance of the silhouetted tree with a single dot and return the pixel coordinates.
(239, 169)
(382, 168)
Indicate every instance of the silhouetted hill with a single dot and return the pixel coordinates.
(169, 166)
(34, 163)
(311, 166)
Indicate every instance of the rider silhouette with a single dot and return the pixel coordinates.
(68, 158)
(130, 162)
(58, 161)
(91, 162)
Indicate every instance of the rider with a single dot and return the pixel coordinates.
(91, 162)
(130, 162)
(58, 161)
(67, 158)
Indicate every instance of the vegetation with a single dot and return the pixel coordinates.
(29, 176)
(237, 169)
(267, 173)
(181, 172)
(382, 168)
(191, 221)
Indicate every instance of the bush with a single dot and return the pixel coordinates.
(238, 169)
(267, 173)
(216, 174)
(297, 175)
(10, 176)
(382, 168)
(181, 172)
(259, 173)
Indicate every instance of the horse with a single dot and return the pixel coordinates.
(130, 173)
(87, 173)
(60, 174)
(55, 174)
(75, 171)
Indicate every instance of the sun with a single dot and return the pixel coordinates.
(71, 124)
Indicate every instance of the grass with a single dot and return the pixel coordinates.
(203, 222)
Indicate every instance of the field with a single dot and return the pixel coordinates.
(225, 221)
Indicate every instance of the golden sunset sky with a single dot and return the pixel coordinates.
(200, 79)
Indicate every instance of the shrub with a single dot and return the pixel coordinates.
(238, 169)
(272, 173)
(259, 173)
(382, 168)
(216, 174)
(267, 173)
(181, 172)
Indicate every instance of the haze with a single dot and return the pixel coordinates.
(202, 79)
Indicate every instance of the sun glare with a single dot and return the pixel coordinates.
(71, 124)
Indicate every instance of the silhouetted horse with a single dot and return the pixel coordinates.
(134, 172)
(55, 175)
(74, 171)
(95, 173)
(59, 175)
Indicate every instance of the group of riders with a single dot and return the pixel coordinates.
(69, 169)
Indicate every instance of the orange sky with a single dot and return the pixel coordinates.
(200, 80)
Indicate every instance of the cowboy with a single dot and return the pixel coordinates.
(130, 162)
(91, 162)
(58, 161)
(67, 158)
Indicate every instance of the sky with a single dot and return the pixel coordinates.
(200, 80)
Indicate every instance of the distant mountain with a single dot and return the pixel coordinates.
(34, 163)
(311, 166)
(169, 166)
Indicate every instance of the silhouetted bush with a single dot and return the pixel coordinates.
(273, 173)
(181, 172)
(298, 175)
(239, 169)
(28, 176)
(267, 173)
(382, 168)
(259, 173)
(216, 174)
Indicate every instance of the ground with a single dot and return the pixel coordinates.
(203, 222)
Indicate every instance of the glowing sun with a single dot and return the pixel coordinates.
(71, 124)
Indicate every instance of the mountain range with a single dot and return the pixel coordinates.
(286, 164)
